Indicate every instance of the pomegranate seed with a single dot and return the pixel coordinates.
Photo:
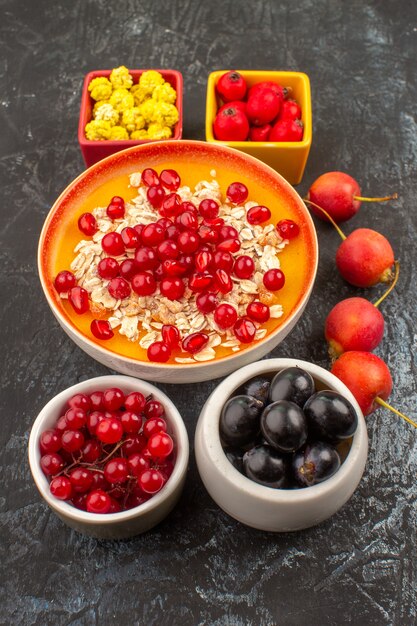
(51, 463)
(96, 399)
(206, 302)
(128, 268)
(165, 222)
(160, 445)
(130, 237)
(223, 260)
(149, 177)
(72, 440)
(158, 352)
(101, 329)
(131, 422)
(170, 179)
(167, 250)
(172, 288)
(186, 220)
(146, 258)
(91, 451)
(173, 268)
(203, 260)
(151, 481)
(208, 234)
(135, 401)
(116, 209)
(244, 330)
(64, 281)
(228, 232)
(215, 223)
(225, 315)
(170, 335)
(116, 471)
(113, 398)
(209, 209)
(80, 401)
(61, 488)
(112, 243)
(222, 281)
(172, 232)
(195, 342)
(154, 408)
(229, 245)
(50, 441)
(244, 267)
(155, 195)
(87, 224)
(189, 206)
(138, 228)
(75, 418)
(144, 284)
(137, 463)
(171, 205)
(78, 298)
(154, 425)
(108, 268)
(274, 279)
(119, 288)
(188, 241)
(109, 430)
(258, 311)
(258, 215)
(200, 281)
(288, 229)
(237, 193)
(153, 234)
(98, 501)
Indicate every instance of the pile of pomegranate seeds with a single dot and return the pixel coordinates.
(179, 271)
(108, 452)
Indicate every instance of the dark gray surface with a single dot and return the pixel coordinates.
(200, 566)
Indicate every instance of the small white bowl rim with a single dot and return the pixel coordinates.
(158, 366)
(70, 511)
(256, 490)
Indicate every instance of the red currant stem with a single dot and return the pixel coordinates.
(110, 454)
(383, 199)
(391, 408)
(391, 287)
(331, 220)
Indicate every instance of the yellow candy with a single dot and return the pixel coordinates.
(100, 88)
(118, 133)
(155, 131)
(148, 110)
(166, 114)
(149, 80)
(120, 78)
(98, 130)
(108, 113)
(139, 134)
(133, 120)
(164, 93)
(121, 100)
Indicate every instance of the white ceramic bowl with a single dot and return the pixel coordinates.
(261, 507)
(126, 523)
(267, 186)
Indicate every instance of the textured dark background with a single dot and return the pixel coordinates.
(200, 566)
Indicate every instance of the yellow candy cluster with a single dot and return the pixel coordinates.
(123, 110)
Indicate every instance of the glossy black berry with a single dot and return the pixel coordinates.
(293, 384)
(315, 463)
(266, 466)
(330, 416)
(235, 457)
(239, 420)
(284, 426)
(257, 387)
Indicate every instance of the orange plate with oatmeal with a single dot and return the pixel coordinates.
(194, 161)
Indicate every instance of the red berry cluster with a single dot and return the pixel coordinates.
(109, 452)
(263, 112)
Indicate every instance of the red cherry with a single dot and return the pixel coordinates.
(130, 237)
(206, 302)
(170, 335)
(116, 208)
(244, 267)
(237, 193)
(98, 501)
(258, 215)
(244, 330)
(144, 284)
(78, 298)
(258, 311)
(149, 177)
(195, 342)
(155, 195)
(108, 268)
(274, 279)
(101, 329)
(288, 229)
(112, 243)
(87, 224)
(208, 208)
(109, 430)
(158, 352)
(61, 488)
(170, 179)
(119, 288)
(231, 86)
(231, 124)
(225, 315)
(64, 281)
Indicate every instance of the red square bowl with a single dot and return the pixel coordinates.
(94, 151)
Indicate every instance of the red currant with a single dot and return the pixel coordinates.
(244, 267)
(96, 399)
(113, 398)
(206, 302)
(144, 284)
(151, 481)
(75, 418)
(81, 479)
(288, 229)
(61, 488)
(108, 268)
(225, 315)
(153, 408)
(274, 279)
(154, 425)
(50, 441)
(51, 464)
(91, 451)
(158, 352)
(72, 440)
(135, 401)
(98, 501)
(131, 422)
(109, 430)
(119, 288)
(172, 288)
(146, 258)
(258, 311)
(117, 470)
(112, 243)
(160, 445)
(128, 268)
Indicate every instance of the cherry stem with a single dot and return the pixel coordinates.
(391, 408)
(392, 285)
(383, 199)
(331, 220)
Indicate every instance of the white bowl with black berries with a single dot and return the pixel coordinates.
(281, 445)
